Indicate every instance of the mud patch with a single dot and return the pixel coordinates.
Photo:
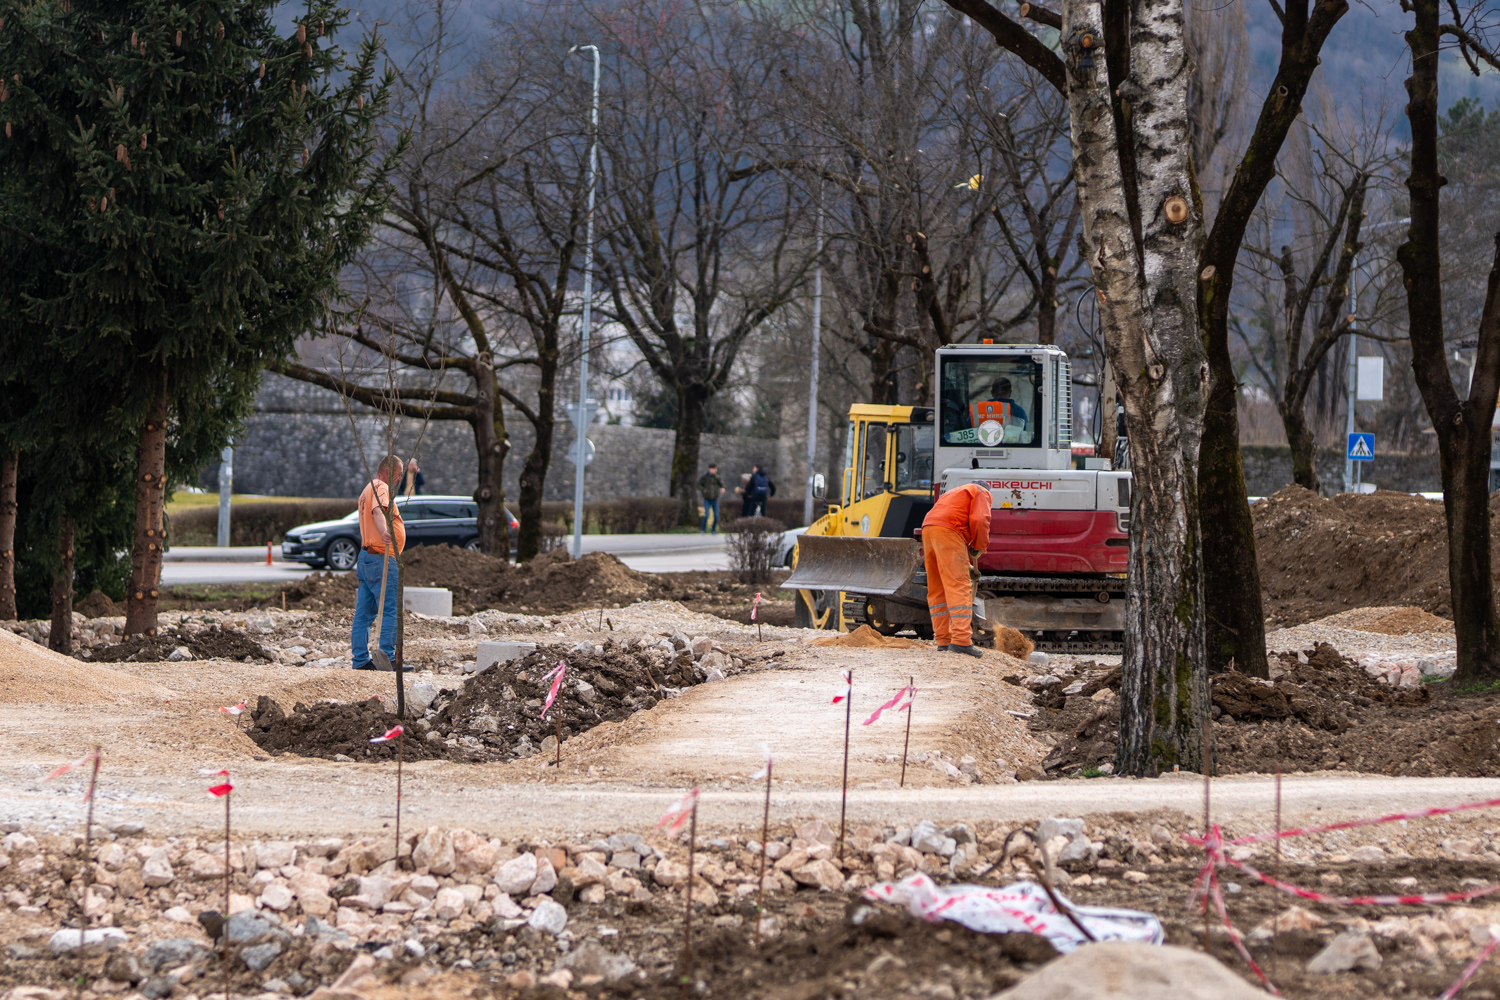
(213, 643)
(494, 716)
(865, 637)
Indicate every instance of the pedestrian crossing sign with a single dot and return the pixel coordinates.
(1361, 447)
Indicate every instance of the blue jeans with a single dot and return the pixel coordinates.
(709, 507)
(367, 571)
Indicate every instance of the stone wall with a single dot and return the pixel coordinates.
(299, 442)
(1268, 468)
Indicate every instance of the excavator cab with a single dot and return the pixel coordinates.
(886, 492)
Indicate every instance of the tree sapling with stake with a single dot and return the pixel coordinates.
(88, 831)
(685, 811)
(765, 832)
(556, 675)
(221, 791)
(845, 696)
(397, 733)
(902, 700)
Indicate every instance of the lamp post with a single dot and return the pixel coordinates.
(812, 390)
(582, 422)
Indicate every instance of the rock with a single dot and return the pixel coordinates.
(276, 854)
(701, 647)
(421, 695)
(128, 829)
(680, 639)
(549, 917)
(1348, 950)
(593, 895)
(157, 870)
(591, 959)
(1116, 970)
(179, 654)
(1030, 772)
(449, 904)
(1370, 854)
(1077, 847)
(926, 838)
(961, 834)
(374, 892)
(472, 853)
(589, 872)
(178, 915)
(517, 874)
(171, 952)
(714, 675)
(258, 957)
(435, 852)
(825, 875)
(70, 939)
(1136, 877)
(123, 967)
(818, 832)
(247, 925)
(276, 896)
(424, 885)
(669, 873)
(546, 878)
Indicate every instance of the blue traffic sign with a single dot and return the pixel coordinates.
(1361, 447)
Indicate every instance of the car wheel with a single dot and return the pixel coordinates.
(472, 544)
(341, 554)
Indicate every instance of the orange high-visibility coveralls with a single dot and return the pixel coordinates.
(957, 523)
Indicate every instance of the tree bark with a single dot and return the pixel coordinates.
(686, 446)
(150, 500)
(60, 637)
(9, 471)
(492, 444)
(1145, 276)
(1463, 427)
(534, 471)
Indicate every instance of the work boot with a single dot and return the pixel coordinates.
(943, 648)
(971, 650)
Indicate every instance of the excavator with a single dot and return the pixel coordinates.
(1059, 535)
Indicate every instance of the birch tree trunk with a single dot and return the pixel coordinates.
(1143, 232)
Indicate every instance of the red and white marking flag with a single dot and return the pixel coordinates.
(223, 788)
(843, 691)
(763, 772)
(902, 700)
(234, 709)
(556, 676)
(86, 759)
(675, 817)
(755, 606)
(390, 734)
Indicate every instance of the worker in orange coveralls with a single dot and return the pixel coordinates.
(954, 533)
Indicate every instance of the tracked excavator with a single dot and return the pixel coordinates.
(1059, 535)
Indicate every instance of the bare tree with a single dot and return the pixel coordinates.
(1463, 425)
(696, 254)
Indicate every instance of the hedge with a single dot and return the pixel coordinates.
(642, 515)
(252, 523)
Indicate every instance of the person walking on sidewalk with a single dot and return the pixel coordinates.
(375, 539)
(712, 487)
(954, 533)
(759, 490)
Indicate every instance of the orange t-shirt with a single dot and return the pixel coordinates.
(965, 510)
(372, 504)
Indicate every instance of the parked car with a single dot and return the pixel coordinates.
(787, 547)
(430, 520)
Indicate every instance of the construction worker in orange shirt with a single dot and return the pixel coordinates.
(954, 533)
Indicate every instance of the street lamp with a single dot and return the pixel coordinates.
(582, 422)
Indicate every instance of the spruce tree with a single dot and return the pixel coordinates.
(212, 177)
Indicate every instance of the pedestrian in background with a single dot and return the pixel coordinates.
(712, 487)
(743, 489)
(414, 481)
(375, 539)
(759, 490)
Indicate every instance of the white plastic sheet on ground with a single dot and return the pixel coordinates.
(1020, 907)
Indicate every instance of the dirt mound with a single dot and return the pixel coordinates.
(98, 605)
(494, 716)
(1321, 715)
(30, 674)
(548, 584)
(1391, 621)
(865, 637)
(1320, 555)
(213, 643)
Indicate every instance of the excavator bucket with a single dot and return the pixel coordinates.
(876, 566)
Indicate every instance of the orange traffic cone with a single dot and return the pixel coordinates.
(268, 553)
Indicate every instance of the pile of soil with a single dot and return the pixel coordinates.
(494, 716)
(865, 637)
(215, 642)
(548, 584)
(1319, 555)
(98, 605)
(1326, 714)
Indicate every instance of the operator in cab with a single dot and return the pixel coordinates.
(954, 533)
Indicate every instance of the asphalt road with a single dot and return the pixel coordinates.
(646, 553)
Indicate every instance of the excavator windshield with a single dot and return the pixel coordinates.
(913, 457)
(991, 400)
